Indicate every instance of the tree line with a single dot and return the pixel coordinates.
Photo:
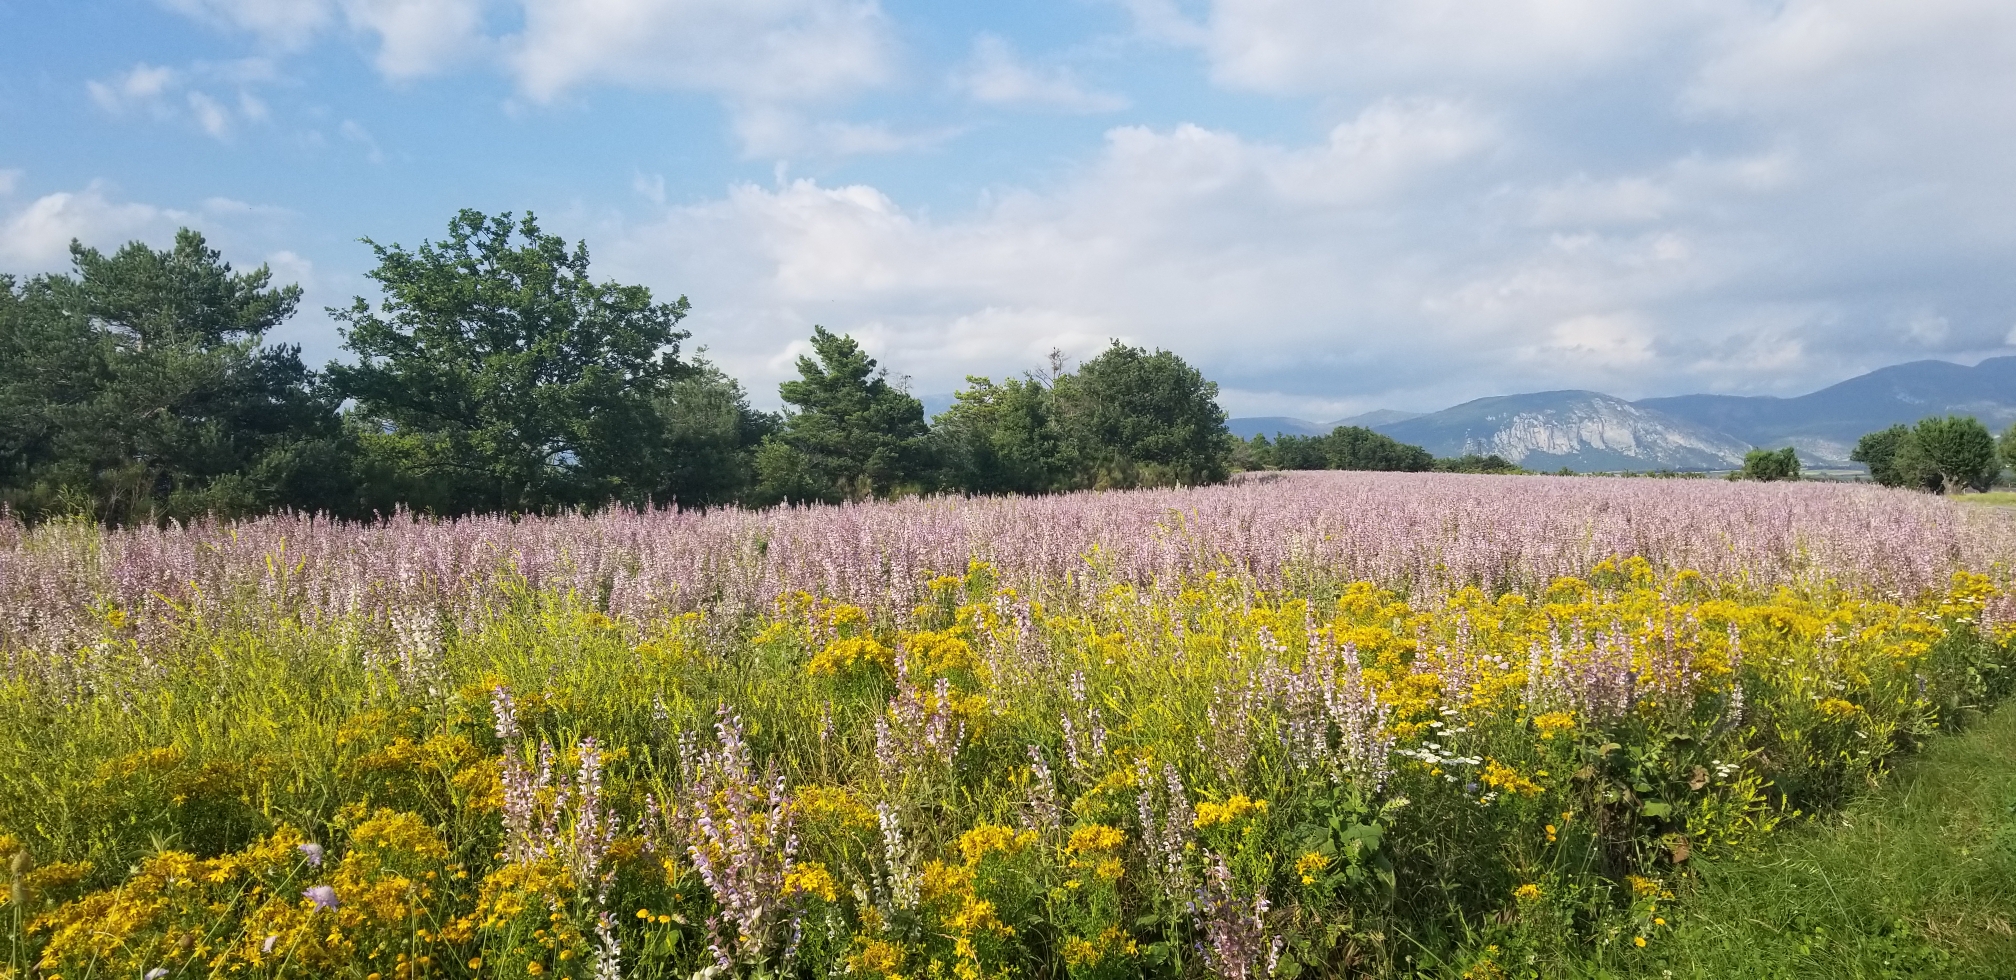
(494, 374)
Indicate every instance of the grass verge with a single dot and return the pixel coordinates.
(1915, 880)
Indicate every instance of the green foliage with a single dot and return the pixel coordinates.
(1001, 439)
(1916, 880)
(138, 389)
(496, 375)
(706, 435)
(1771, 465)
(1473, 463)
(852, 436)
(1880, 451)
(493, 374)
(1131, 418)
(1351, 447)
(1958, 450)
(1942, 455)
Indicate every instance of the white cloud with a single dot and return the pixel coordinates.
(36, 237)
(10, 178)
(1326, 45)
(282, 23)
(142, 86)
(767, 131)
(210, 115)
(415, 37)
(996, 76)
(418, 37)
(153, 90)
(354, 131)
(769, 60)
(751, 52)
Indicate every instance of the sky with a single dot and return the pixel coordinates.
(1328, 206)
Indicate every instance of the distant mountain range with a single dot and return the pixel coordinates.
(1275, 425)
(1588, 431)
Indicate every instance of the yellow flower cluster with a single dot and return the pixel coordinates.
(1233, 810)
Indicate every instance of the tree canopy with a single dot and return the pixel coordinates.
(1130, 417)
(1771, 465)
(849, 433)
(496, 374)
(139, 387)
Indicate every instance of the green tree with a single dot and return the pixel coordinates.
(139, 388)
(1134, 418)
(1000, 438)
(1771, 465)
(495, 374)
(1880, 451)
(1351, 447)
(1958, 450)
(848, 435)
(1473, 463)
(707, 438)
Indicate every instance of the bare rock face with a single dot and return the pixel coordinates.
(1580, 430)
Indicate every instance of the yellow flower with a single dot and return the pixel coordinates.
(1094, 839)
(810, 878)
(1231, 811)
(1499, 776)
(1638, 941)
(1527, 892)
(1308, 865)
(1553, 723)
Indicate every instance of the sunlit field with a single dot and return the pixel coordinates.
(1325, 724)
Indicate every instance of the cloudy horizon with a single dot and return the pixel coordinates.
(1330, 206)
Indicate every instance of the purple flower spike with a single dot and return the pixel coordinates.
(323, 896)
(313, 852)
(155, 974)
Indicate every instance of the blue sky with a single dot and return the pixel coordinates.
(1329, 205)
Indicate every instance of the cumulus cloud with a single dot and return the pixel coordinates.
(995, 75)
(752, 52)
(36, 237)
(415, 37)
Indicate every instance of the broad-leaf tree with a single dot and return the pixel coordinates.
(1135, 418)
(1771, 465)
(1958, 450)
(496, 374)
(1001, 438)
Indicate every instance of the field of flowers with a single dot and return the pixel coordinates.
(1326, 724)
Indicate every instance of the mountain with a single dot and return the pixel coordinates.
(1824, 425)
(1375, 418)
(1581, 430)
(1276, 426)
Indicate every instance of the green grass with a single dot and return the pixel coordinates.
(1916, 880)
(1996, 498)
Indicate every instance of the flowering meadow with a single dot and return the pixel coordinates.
(1325, 724)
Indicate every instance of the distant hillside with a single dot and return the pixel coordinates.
(1825, 424)
(1581, 430)
(1275, 426)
